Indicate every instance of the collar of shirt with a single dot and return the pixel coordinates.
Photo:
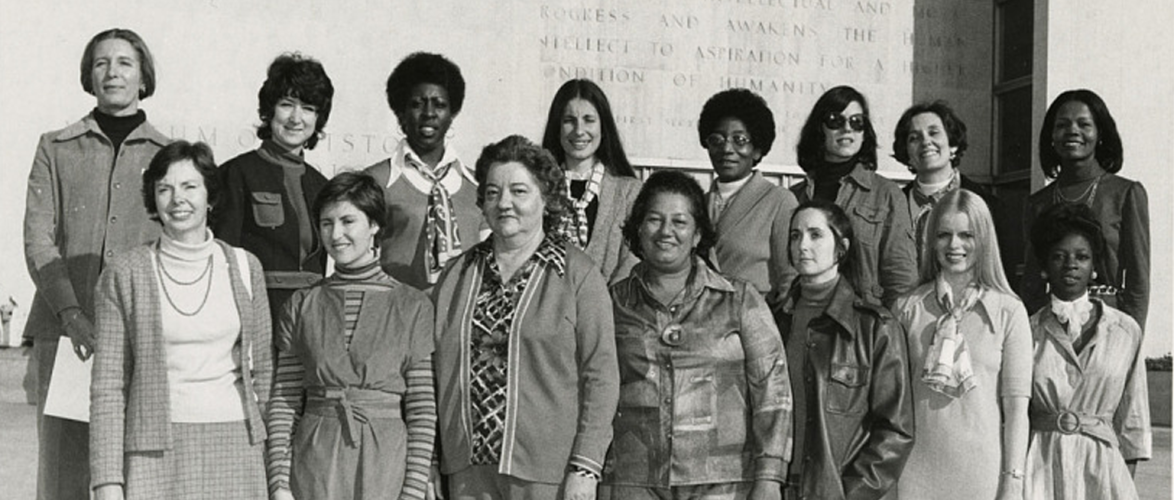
(727, 190)
(703, 278)
(452, 180)
(859, 176)
(919, 196)
(551, 253)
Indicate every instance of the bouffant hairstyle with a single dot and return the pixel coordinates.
(1109, 153)
(954, 126)
(146, 61)
(810, 150)
(302, 78)
(424, 67)
(670, 182)
(360, 190)
(988, 267)
(611, 149)
(542, 167)
(745, 106)
(841, 228)
(201, 157)
(1062, 220)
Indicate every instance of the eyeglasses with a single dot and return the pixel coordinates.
(836, 121)
(715, 141)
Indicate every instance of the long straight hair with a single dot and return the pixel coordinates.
(988, 264)
(611, 149)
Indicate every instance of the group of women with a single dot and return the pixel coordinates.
(544, 325)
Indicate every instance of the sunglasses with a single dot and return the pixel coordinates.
(715, 141)
(836, 121)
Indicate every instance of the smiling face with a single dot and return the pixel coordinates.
(513, 204)
(813, 246)
(1069, 267)
(954, 244)
(181, 199)
(731, 161)
(580, 132)
(293, 123)
(928, 144)
(1074, 133)
(842, 143)
(116, 77)
(427, 118)
(347, 232)
(669, 233)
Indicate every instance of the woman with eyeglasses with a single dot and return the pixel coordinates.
(737, 129)
(837, 151)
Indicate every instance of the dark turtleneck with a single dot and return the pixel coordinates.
(363, 272)
(827, 177)
(117, 128)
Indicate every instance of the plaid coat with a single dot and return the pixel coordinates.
(129, 407)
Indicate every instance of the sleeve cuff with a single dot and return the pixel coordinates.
(586, 464)
(770, 469)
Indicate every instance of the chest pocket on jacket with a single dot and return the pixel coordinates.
(870, 225)
(847, 388)
(268, 210)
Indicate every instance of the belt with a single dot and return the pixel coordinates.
(290, 280)
(1070, 422)
(354, 406)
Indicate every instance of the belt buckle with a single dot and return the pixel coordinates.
(1068, 422)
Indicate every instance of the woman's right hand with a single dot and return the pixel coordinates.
(108, 492)
(282, 494)
(80, 330)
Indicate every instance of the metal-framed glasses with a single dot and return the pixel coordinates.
(717, 141)
(836, 121)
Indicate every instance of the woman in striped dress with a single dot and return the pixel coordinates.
(353, 413)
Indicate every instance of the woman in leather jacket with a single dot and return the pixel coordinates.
(854, 414)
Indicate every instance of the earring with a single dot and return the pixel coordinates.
(1043, 275)
(1094, 275)
(452, 133)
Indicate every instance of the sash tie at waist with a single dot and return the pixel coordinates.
(354, 407)
(1070, 422)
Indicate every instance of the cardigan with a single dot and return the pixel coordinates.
(563, 382)
(129, 410)
(752, 235)
(84, 206)
(607, 246)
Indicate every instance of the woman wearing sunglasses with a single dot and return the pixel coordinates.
(737, 129)
(837, 150)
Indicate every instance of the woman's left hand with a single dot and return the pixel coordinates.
(766, 490)
(576, 487)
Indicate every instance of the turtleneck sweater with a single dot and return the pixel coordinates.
(293, 167)
(812, 302)
(827, 177)
(201, 326)
(117, 128)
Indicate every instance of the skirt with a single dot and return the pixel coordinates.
(208, 461)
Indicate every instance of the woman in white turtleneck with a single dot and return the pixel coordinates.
(183, 365)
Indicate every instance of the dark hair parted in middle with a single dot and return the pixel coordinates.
(201, 157)
(1062, 220)
(302, 78)
(670, 182)
(358, 189)
(146, 61)
(611, 149)
(424, 67)
(954, 127)
(745, 106)
(841, 228)
(1109, 153)
(810, 150)
(547, 174)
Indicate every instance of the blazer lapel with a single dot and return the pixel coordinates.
(599, 232)
(743, 203)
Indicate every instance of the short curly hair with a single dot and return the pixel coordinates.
(358, 189)
(201, 157)
(302, 78)
(810, 150)
(1062, 220)
(745, 106)
(146, 60)
(954, 126)
(547, 174)
(1109, 153)
(424, 67)
(670, 182)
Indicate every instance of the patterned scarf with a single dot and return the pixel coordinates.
(1073, 315)
(573, 225)
(923, 204)
(947, 364)
(440, 221)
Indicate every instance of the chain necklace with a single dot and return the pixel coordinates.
(163, 283)
(1090, 191)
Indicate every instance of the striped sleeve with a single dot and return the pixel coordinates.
(285, 407)
(420, 418)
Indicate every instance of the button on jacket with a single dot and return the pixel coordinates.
(705, 395)
(84, 207)
(859, 426)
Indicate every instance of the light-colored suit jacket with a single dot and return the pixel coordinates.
(607, 246)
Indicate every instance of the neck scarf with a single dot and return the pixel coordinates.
(573, 225)
(947, 364)
(440, 221)
(924, 203)
(1073, 315)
